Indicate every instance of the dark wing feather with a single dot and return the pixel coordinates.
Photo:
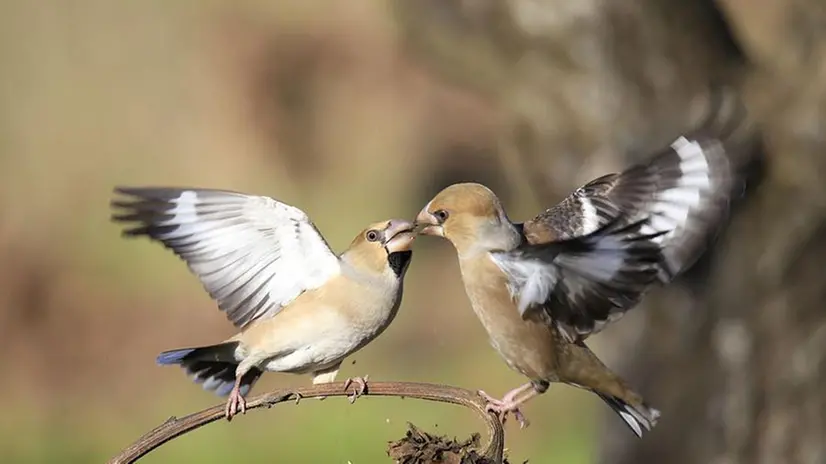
(583, 282)
(654, 217)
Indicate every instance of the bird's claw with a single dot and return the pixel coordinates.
(235, 402)
(504, 407)
(298, 396)
(489, 399)
(523, 421)
(359, 387)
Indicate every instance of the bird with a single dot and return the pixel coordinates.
(298, 306)
(541, 287)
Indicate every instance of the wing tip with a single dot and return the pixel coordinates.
(123, 190)
(152, 193)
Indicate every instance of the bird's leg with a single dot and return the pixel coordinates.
(359, 389)
(509, 396)
(327, 375)
(235, 401)
(510, 403)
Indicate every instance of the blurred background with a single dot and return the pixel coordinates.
(359, 111)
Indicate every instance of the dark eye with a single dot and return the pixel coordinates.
(372, 235)
(441, 215)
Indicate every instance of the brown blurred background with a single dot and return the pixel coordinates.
(358, 111)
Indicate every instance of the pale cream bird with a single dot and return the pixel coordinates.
(300, 308)
(540, 288)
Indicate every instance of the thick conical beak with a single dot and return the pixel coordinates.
(428, 224)
(399, 235)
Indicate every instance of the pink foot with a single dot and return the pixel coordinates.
(504, 407)
(235, 403)
(359, 387)
(510, 403)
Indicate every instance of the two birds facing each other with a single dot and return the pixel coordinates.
(540, 288)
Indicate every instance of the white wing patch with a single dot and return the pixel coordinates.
(657, 215)
(253, 254)
(672, 207)
(184, 208)
(530, 282)
(590, 217)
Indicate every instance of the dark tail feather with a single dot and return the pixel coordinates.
(211, 366)
(222, 352)
(173, 356)
(637, 418)
(219, 377)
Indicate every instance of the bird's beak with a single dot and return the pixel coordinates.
(399, 236)
(428, 224)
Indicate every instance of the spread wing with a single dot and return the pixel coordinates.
(591, 257)
(253, 254)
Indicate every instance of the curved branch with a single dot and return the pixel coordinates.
(174, 427)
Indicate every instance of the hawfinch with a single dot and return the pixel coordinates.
(540, 288)
(299, 307)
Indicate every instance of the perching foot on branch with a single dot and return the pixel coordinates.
(359, 387)
(489, 452)
(235, 403)
(509, 404)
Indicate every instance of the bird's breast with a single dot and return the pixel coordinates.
(527, 346)
(371, 309)
(322, 327)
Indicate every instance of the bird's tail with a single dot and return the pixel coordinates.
(211, 366)
(637, 417)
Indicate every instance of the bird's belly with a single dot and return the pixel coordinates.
(526, 346)
(313, 356)
(306, 345)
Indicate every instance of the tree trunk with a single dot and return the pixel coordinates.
(734, 352)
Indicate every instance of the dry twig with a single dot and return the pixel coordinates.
(491, 451)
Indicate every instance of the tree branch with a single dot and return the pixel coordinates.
(174, 427)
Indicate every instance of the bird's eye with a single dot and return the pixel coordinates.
(441, 215)
(372, 235)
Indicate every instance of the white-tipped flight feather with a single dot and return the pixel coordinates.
(678, 197)
(253, 254)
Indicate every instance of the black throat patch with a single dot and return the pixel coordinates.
(398, 261)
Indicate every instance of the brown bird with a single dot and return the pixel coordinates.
(299, 307)
(540, 288)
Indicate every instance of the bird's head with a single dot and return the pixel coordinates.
(466, 214)
(382, 245)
